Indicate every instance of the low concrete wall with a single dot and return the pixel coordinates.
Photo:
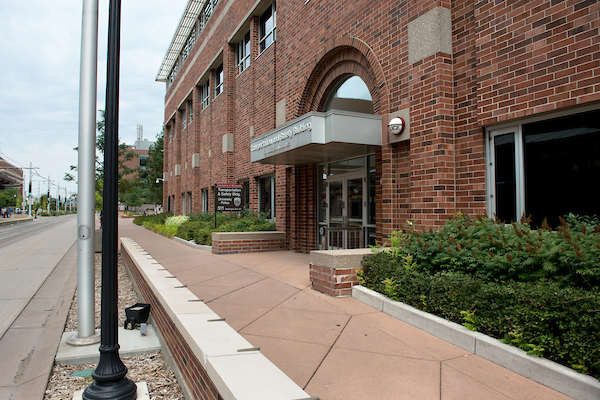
(214, 361)
(333, 272)
(247, 242)
(548, 373)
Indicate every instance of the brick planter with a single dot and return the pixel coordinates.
(333, 272)
(247, 242)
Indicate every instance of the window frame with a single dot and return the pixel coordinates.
(219, 78)
(242, 53)
(263, 35)
(205, 94)
(520, 166)
(271, 195)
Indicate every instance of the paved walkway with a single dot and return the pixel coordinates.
(336, 349)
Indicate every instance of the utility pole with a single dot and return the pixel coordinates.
(86, 332)
(29, 193)
(48, 201)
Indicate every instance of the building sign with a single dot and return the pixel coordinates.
(316, 137)
(229, 197)
(281, 136)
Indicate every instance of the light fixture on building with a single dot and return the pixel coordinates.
(396, 125)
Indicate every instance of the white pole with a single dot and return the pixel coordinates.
(86, 333)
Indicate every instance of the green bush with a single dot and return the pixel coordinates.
(491, 250)
(201, 226)
(544, 318)
(544, 300)
(158, 219)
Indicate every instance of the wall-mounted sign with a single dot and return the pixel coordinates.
(229, 197)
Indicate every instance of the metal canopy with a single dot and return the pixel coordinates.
(10, 176)
(318, 138)
(187, 23)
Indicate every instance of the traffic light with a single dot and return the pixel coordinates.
(29, 193)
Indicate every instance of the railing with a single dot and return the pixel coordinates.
(342, 238)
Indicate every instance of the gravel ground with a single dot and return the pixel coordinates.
(150, 367)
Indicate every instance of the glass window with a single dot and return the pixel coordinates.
(242, 53)
(351, 94)
(219, 80)
(191, 110)
(267, 27)
(266, 196)
(205, 94)
(371, 185)
(545, 169)
(205, 200)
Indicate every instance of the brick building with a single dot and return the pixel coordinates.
(499, 103)
(137, 163)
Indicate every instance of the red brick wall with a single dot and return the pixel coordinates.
(194, 375)
(508, 60)
(331, 281)
(246, 246)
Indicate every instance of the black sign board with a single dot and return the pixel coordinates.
(229, 197)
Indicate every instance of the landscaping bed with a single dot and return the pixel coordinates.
(199, 227)
(534, 289)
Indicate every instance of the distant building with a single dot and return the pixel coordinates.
(494, 109)
(138, 162)
(10, 176)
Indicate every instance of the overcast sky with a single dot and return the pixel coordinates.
(40, 44)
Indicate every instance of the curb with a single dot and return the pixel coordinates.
(548, 373)
(192, 244)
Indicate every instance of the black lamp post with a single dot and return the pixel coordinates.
(110, 381)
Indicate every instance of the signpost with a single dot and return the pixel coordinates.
(228, 197)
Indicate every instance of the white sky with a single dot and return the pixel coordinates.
(40, 44)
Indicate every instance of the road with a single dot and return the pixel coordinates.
(29, 252)
(38, 266)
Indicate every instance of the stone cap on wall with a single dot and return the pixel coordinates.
(266, 235)
(339, 259)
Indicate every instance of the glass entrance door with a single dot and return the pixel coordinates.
(346, 212)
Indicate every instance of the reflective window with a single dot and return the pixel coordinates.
(545, 169)
(219, 80)
(242, 53)
(267, 27)
(351, 94)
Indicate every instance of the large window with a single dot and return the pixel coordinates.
(545, 169)
(219, 80)
(205, 94)
(266, 196)
(267, 27)
(242, 53)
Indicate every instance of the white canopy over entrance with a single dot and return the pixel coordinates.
(317, 138)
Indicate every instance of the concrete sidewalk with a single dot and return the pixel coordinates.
(333, 348)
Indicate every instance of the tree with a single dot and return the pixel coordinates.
(154, 171)
(10, 197)
(124, 154)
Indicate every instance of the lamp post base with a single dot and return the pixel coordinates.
(120, 390)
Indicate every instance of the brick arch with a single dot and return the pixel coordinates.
(344, 57)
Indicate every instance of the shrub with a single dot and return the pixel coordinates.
(542, 317)
(153, 219)
(496, 251)
(201, 226)
(176, 220)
